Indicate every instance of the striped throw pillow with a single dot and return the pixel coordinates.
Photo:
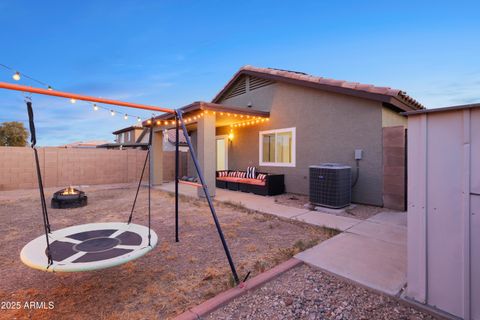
(231, 174)
(251, 172)
(261, 176)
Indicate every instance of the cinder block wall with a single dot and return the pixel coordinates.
(63, 167)
(394, 168)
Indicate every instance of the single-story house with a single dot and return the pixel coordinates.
(282, 122)
(129, 137)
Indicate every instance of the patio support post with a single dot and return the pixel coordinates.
(156, 164)
(206, 151)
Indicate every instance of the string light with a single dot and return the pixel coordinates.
(125, 116)
(17, 76)
(112, 113)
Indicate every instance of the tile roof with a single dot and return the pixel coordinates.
(385, 94)
(171, 137)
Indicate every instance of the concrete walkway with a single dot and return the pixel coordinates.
(268, 205)
(371, 252)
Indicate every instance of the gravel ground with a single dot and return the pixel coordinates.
(307, 293)
(357, 211)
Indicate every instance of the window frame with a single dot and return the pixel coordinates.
(277, 164)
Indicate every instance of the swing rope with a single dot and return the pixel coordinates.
(147, 157)
(33, 142)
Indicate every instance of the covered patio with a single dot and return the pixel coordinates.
(212, 129)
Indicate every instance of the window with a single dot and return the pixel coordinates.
(277, 148)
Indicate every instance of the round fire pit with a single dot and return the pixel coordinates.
(69, 198)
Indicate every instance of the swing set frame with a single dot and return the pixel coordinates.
(178, 123)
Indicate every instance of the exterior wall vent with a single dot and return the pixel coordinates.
(238, 88)
(256, 83)
(330, 185)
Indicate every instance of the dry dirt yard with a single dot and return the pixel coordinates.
(165, 282)
(305, 293)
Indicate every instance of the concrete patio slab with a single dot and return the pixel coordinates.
(328, 220)
(374, 263)
(381, 231)
(248, 200)
(390, 217)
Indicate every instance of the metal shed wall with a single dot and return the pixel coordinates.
(444, 211)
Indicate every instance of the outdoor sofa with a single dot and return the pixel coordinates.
(265, 184)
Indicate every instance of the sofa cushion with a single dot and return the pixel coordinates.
(229, 179)
(253, 181)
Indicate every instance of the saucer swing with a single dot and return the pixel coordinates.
(95, 246)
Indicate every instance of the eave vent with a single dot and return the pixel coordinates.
(256, 83)
(239, 88)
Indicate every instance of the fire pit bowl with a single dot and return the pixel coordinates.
(68, 198)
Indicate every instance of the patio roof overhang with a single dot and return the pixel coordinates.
(229, 115)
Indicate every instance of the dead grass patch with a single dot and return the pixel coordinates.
(164, 283)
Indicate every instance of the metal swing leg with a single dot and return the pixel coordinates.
(177, 141)
(207, 194)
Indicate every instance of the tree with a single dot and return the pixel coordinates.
(13, 134)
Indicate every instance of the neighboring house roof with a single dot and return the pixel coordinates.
(84, 144)
(138, 127)
(126, 145)
(395, 97)
(444, 109)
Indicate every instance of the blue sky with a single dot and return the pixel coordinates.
(170, 53)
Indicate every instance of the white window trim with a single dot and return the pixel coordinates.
(277, 164)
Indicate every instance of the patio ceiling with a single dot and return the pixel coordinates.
(225, 115)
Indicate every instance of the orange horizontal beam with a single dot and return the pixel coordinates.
(190, 183)
(16, 87)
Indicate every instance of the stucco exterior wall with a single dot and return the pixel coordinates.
(329, 127)
(391, 118)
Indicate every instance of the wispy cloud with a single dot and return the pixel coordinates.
(441, 93)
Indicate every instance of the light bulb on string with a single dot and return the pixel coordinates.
(112, 113)
(73, 100)
(125, 116)
(95, 107)
(138, 119)
(16, 76)
(49, 88)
